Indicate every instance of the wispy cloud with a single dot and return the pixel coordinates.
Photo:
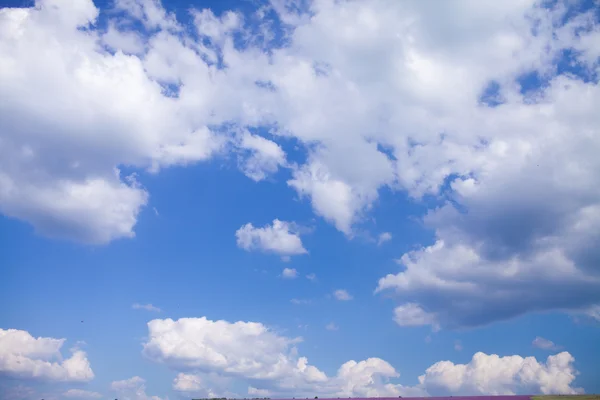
(289, 273)
(332, 326)
(147, 307)
(544, 344)
(384, 237)
(458, 345)
(300, 301)
(81, 394)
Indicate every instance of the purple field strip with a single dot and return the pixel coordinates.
(520, 397)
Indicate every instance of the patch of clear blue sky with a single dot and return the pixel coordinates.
(185, 260)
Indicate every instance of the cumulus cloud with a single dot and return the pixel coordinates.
(226, 348)
(417, 100)
(544, 344)
(279, 238)
(311, 277)
(147, 307)
(26, 357)
(495, 375)
(342, 295)
(90, 112)
(81, 394)
(249, 351)
(132, 389)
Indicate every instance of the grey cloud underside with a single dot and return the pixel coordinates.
(520, 200)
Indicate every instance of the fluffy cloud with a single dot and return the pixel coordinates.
(412, 314)
(245, 349)
(81, 394)
(205, 385)
(204, 351)
(279, 238)
(24, 356)
(187, 383)
(419, 100)
(249, 350)
(72, 122)
(132, 389)
(494, 375)
(342, 295)
(147, 307)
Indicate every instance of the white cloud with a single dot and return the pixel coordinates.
(384, 237)
(397, 106)
(187, 383)
(369, 378)
(544, 344)
(311, 277)
(332, 326)
(332, 198)
(289, 273)
(203, 385)
(81, 394)
(223, 347)
(411, 314)
(342, 295)
(147, 307)
(249, 351)
(494, 375)
(24, 356)
(129, 42)
(265, 156)
(278, 238)
(132, 389)
(70, 123)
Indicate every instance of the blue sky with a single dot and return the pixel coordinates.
(409, 203)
